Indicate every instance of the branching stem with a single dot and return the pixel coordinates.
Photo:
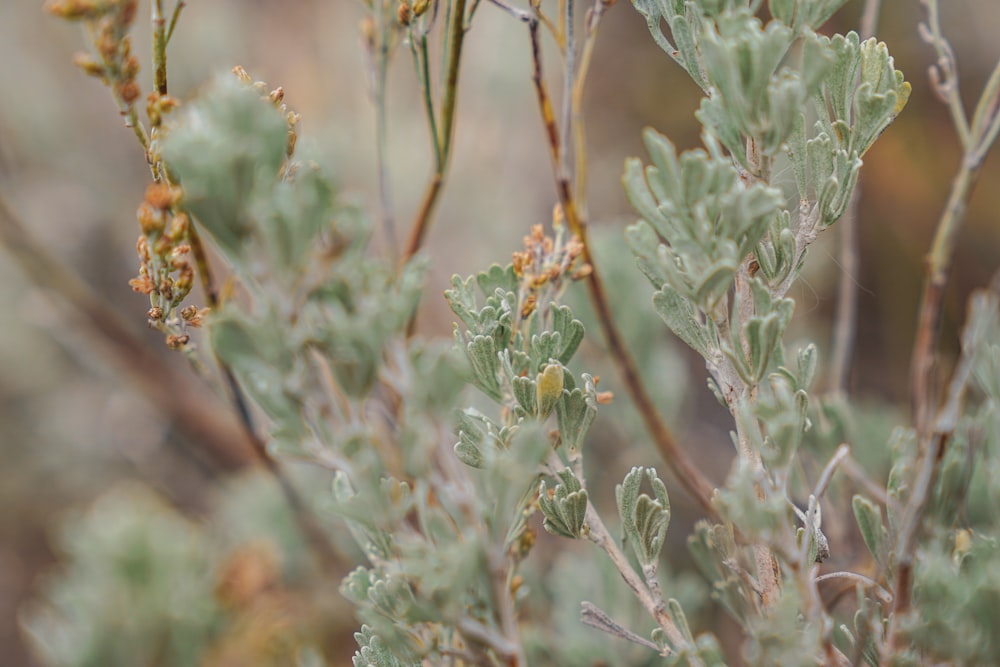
(976, 139)
(432, 192)
(686, 472)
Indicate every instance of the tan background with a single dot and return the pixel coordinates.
(68, 428)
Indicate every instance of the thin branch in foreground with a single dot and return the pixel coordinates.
(845, 320)
(595, 617)
(928, 466)
(686, 472)
(976, 142)
(432, 192)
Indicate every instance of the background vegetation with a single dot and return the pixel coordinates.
(71, 425)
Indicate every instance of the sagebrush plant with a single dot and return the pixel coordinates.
(443, 489)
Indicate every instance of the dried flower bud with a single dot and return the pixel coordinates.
(179, 227)
(246, 574)
(367, 29)
(162, 196)
(143, 284)
(130, 68)
(127, 12)
(404, 14)
(175, 342)
(142, 249)
(241, 74)
(128, 91)
(76, 10)
(530, 303)
(193, 315)
(151, 220)
(155, 313)
(558, 216)
(184, 281)
(89, 64)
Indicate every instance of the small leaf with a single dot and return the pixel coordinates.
(684, 320)
(869, 519)
(575, 412)
(565, 507)
(644, 520)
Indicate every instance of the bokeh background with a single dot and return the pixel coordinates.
(71, 427)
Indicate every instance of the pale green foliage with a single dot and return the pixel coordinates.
(138, 568)
(316, 337)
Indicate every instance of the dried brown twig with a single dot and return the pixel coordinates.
(684, 469)
(976, 138)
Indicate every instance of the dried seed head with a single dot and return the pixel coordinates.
(404, 14)
(128, 91)
(177, 342)
(151, 220)
(241, 74)
(89, 64)
(143, 284)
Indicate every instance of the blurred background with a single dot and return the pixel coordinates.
(71, 427)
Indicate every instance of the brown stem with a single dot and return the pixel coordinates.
(930, 455)
(845, 327)
(432, 192)
(938, 269)
(690, 477)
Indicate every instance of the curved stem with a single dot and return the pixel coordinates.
(689, 476)
(432, 192)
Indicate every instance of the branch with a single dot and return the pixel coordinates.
(690, 477)
(976, 141)
(432, 192)
(930, 455)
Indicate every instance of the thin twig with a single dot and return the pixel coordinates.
(859, 475)
(380, 74)
(569, 77)
(845, 320)
(593, 21)
(883, 594)
(976, 141)
(689, 476)
(595, 617)
(159, 47)
(930, 456)
(173, 18)
(456, 37)
(599, 535)
(478, 633)
(944, 73)
(519, 14)
(869, 18)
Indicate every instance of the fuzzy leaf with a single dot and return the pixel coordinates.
(565, 506)
(869, 520)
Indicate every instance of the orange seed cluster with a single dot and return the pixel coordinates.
(166, 274)
(547, 263)
(112, 61)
